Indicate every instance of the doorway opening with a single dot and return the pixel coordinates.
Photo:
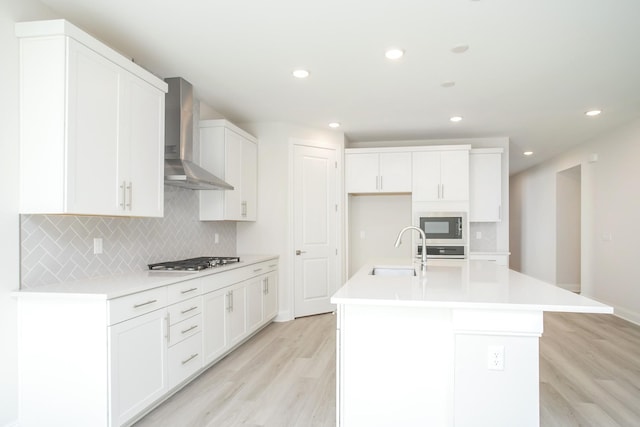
(568, 228)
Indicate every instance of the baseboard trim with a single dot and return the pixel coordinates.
(626, 314)
(283, 316)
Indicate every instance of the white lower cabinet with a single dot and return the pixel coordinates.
(500, 258)
(215, 325)
(270, 291)
(236, 313)
(254, 293)
(116, 358)
(138, 364)
(185, 359)
(239, 306)
(184, 338)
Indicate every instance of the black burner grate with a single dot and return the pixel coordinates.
(194, 264)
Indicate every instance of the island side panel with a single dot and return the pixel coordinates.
(395, 366)
(502, 391)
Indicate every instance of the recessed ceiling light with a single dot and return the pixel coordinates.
(528, 153)
(448, 83)
(461, 48)
(394, 53)
(593, 113)
(455, 119)
(300, 74)
(334, 125)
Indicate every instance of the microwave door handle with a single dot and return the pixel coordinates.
(460, 227)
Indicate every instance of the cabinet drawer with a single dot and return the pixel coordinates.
(185, 309)
(261, 268)
(185, 359)
(183, 330)
(183, 290)
(124, 308)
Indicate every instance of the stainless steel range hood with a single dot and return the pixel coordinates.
(179, 168)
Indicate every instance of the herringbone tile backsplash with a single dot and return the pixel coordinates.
(59, 248)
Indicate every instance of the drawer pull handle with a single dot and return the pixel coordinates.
(188, 290)
(257, 270)
(189, 309)
(273, 265)
(189, 329)
(145, 303)
(193, 356)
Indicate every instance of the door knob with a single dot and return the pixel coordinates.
(299, 252)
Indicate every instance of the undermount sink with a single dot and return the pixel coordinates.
(393, 271)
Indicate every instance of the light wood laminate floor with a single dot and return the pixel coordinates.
(285, 376)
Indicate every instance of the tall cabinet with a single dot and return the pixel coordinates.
(91, 126)
(231, 154)
(485, 171)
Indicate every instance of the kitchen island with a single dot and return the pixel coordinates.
(456, 345)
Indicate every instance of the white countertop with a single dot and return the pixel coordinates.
(461, 284)
(114, 286)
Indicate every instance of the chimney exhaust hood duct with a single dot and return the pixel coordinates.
(179, 168)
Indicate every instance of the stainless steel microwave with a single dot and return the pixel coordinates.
(444, 228)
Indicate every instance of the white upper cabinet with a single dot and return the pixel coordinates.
(91, 126)
(441, 175)
(232, 155)
(372, 172)
(485, 171)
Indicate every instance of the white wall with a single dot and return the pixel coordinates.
(271, 233)
(568, 227)
(374, 223)
(610, 212)
(11, 11)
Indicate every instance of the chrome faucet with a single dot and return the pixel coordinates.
(423, 261)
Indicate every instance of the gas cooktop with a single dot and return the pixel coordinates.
(194, 264)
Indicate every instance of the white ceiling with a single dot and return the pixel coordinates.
(532, 69)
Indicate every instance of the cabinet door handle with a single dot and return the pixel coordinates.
(442, 185)
(130, 188)
(381, 186)
(299, 252)
(168, 319)
(193, 356)
(189, 329)
(123, 189)
(188, 290)
(145, 303)
(189, 309)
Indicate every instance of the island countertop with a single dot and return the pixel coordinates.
(461, 284)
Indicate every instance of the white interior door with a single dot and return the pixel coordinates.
(315, 229)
